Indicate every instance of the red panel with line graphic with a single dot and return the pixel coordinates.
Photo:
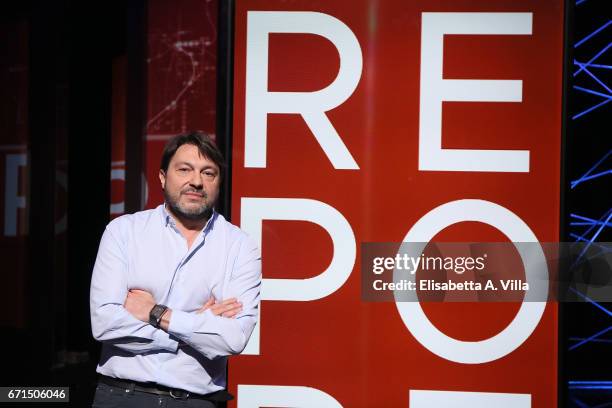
(181, 64)
(363, 354)
(181, 91)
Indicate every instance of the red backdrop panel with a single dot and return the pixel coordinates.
(362, 353)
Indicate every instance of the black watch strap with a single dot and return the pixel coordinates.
(155, 315)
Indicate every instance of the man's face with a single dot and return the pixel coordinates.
(191, 183)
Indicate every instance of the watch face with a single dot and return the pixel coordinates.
(155, 315)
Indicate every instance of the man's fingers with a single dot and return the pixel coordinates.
(231, 310)
(140, 294)
(226, 308)
(206, 305)
(231, 314)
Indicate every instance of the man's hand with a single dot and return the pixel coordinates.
(227, 308)
(139, 303)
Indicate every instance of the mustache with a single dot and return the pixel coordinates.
(194, 190)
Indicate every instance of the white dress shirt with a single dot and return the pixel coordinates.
(146, 251)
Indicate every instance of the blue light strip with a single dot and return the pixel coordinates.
(592, 65)
(585, 297)
(582, 238)
(595, 57)
(584, 223)
(600, 66)
(593, 238)
(579, 43)
(592, 341)
(592, 91)
(601, 227)
(603, 173)
(603, 248)
(608, 99)
(585, 233)
(590, 382)
(587, 394)
(590, 221)
(588, 173)
(592, 108)
(584, 67)
(588, 339)
(579, 403)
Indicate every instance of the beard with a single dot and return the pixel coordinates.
(201, 212)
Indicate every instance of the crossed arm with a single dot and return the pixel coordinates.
(140, 302)
(120, 316)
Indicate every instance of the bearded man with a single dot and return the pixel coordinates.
(174, 290)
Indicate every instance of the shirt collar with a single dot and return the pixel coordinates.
(169, 220)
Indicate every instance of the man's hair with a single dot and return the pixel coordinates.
(203, 142)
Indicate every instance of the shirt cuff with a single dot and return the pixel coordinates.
(162, 340)
(182, 324)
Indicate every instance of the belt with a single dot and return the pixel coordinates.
(153, 388)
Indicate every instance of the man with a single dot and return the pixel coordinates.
(174, 291)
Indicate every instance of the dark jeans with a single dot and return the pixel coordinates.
(115, 397)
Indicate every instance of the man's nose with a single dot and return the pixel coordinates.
(197, 179)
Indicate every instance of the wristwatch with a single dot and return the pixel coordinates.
(155, 315)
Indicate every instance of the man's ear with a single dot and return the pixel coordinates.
(162, 178)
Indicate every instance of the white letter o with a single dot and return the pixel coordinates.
(530, 312)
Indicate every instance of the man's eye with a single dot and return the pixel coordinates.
(183, 170)
(209, 173)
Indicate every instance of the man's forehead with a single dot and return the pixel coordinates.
(189, 153)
